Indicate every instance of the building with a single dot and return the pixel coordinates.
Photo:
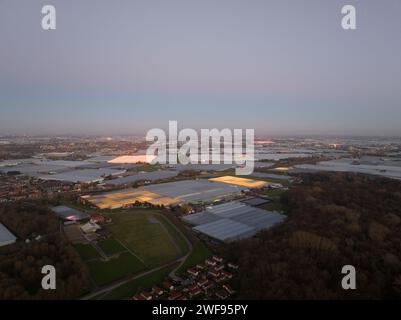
(139, 158)
(83, 175)
(69, 214)
(90, 227)
(146, 295)
(193, 272)
(98, 218)
(175, 296)
(142, 176)
(6, 237)
(232, 221)
(243, 182)
(157, 290)
(200, 191)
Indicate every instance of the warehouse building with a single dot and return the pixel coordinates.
(6, 237)
(167, 194)
(197, 191)
(83, 175)
(233, 221)
(244, 182)
(69, 214)
(127, 197)
(143, 176)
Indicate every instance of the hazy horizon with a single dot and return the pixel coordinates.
(284, 68)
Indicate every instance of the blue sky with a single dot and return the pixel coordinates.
(123, 67)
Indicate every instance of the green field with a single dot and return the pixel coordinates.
(131, 288)
(86, 251)
(147, 240)
(199, 254)
(111, 246)
(104, 272)
(141, 239)
(175, 234)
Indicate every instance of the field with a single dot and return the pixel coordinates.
(104, 272)
(87, 251)
(143, 234)
(199, 254)
(181, 243)
(141, 239)
(111, 247)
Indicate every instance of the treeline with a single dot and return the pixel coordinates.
(334, 219)
(22, 262)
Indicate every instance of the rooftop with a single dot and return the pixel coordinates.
(68, 213)
(233, 221)
(148, 176)
(244, 182)
(6, 237)
(171, 193)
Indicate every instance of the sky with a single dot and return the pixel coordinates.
(125, 66)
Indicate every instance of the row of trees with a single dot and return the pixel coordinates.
(22, 262)
(334, 219)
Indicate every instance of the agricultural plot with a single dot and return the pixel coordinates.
(104, 272)
(141, 240)
(147, 240)
(86, 251)
(111, 247)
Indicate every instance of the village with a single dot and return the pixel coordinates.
(208, 280)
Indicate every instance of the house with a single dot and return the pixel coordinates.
(157, 290)
(228, 275)
(194, 290)
(175, 295)
(137, 297)
(98, 218)
(228, 289)
(146, 295)
(222, 294)
(232, 266)
(218, 259)
(168, 285)
(210, 262)
(200, 267)
(219, 267)
(208, 286)
(202, 282)
(214, 273)
(193, 272)
(220, 278)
